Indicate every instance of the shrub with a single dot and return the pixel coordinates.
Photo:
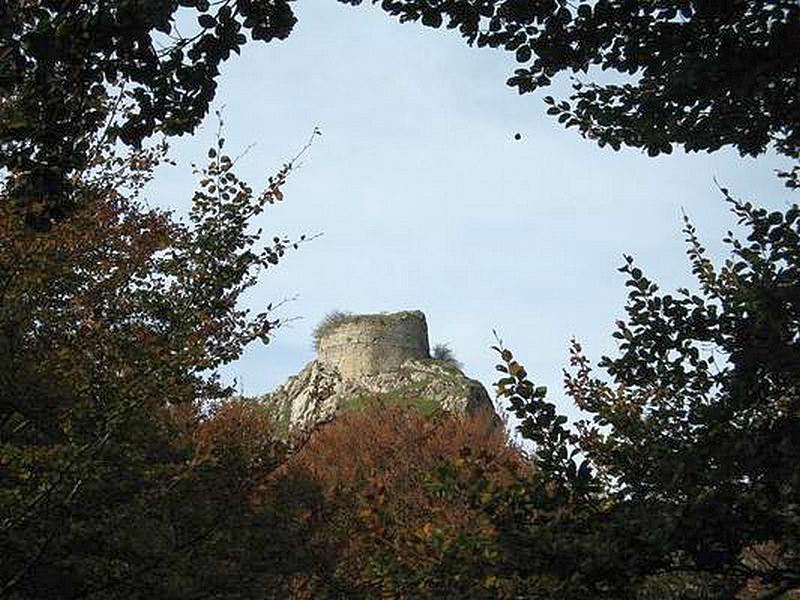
(444, 353)
(328, 323)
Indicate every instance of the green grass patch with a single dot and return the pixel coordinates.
(404, 397)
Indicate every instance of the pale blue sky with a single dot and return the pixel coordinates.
(426, 201)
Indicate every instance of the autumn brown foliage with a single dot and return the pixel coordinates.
(382, 492)
(113, 322)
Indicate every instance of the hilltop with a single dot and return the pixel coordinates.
(382, 358)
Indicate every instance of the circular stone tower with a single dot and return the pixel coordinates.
(369, 344)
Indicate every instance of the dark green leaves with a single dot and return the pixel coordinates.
(432, 18)
(687, 459)
(206, 21)
(78, 56)
(697, 76)
(695, 398)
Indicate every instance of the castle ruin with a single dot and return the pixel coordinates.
(368, 344)
(377, 357)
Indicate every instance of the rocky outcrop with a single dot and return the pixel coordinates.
(369, 358)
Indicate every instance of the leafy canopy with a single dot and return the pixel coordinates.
(696, 73)
(67, 65)
(687, 462)
(691, 72)
(113, 325)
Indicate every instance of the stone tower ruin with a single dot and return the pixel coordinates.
(368, 344)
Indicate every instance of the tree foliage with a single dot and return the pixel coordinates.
(690, 72)
(688, 458)
(389, 497)
(113, 324)
(696, 73)
(127, 469)
(66, 64)
(709, 382)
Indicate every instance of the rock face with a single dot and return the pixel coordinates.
(364, 358)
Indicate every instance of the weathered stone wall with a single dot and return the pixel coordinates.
(368, 344)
